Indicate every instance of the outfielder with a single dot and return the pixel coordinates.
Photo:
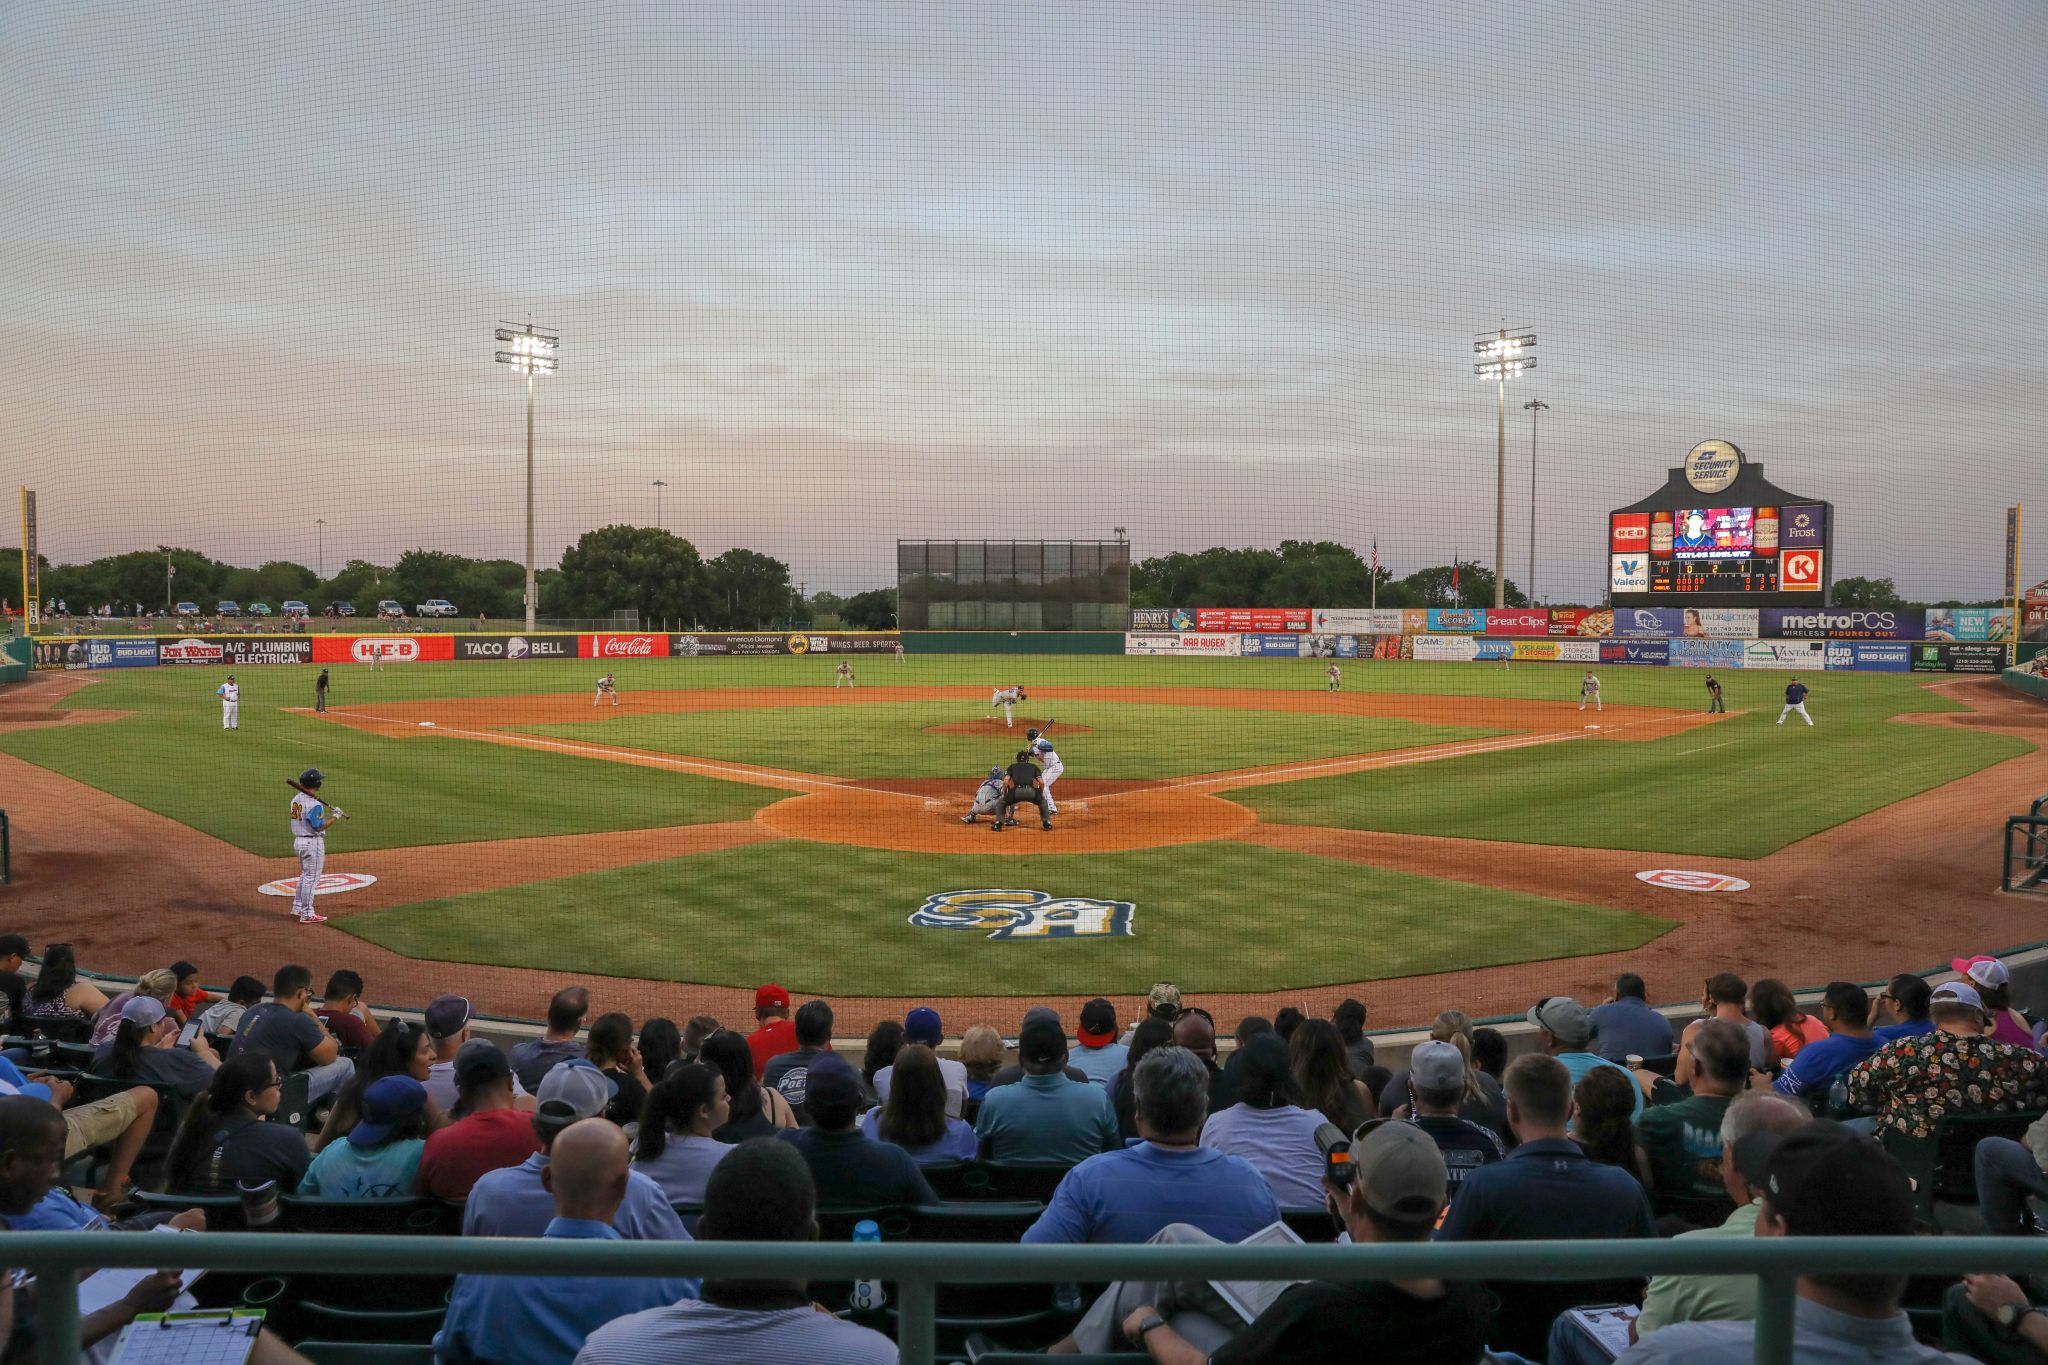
(1589, 691)
(1795, 700)
(1042, 749)
(1006, 698)
(1336, 678)
(988, 797)
(843, 676)
(230, 694)
(606, 688)
(310, 819)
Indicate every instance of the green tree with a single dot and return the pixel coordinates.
(1867, 594)
(614, 568)
(874, 609)
(749, 590)
(1431, 587)
(275, 583)
(1318, 573)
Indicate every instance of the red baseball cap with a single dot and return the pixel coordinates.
(771, 997)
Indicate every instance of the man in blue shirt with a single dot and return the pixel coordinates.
(1904, 1006)
(1568, 1035)
(515, 1202)
(1166, 1177)
(516, 1319)
(1546, 1189)
(1045, 1117)
(1845, 1008)
(1626, 1025)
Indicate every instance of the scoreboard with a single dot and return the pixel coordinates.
(1717, 534)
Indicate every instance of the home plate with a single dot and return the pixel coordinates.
(329, 884)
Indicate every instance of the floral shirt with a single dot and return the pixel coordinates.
(1915, 1082)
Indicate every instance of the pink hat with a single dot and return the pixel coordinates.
(1985, 971)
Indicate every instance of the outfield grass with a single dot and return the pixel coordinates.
(889, 739)
(1742, 788)
(833, 920)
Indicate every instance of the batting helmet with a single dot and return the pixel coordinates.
(1031, 734)
(996, 771)
(312, 777)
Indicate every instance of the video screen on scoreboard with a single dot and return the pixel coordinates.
(1710, 533)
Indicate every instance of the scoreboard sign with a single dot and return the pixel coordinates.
(1719, 534)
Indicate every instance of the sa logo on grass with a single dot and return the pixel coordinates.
(1025, 914)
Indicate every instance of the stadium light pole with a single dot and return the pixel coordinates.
(320, 539)
(534, 351)
(659, 484)
(1505, 355)
(1534, 405)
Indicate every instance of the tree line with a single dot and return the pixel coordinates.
(612, 568)
(1305, 573)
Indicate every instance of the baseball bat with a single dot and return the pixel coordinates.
(308, 791)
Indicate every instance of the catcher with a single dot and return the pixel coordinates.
(988, 797)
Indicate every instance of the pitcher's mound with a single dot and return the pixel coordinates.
(995, 727)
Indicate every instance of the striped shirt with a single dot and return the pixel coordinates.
(701, 1333)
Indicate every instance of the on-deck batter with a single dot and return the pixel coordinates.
(230, 694)
(310, 819)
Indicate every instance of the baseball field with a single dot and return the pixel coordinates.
(1433, 834)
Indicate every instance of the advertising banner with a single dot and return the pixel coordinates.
(1794, 654)
(1445, 649)
(1694, 652)
(1578, 651)
(1722, 623)
(1800, 571)
(1170, 643)
(1456, 620)
(1870, 656)
(31, 566)
(622, 646)
(190, 650)
(1976, 658)
(491, 647)
(1628, 573)
(1393, 646)
(1517, 621)
(1355, 620)
(387, 649)
(1841, 623)
(53, 655)
(1273, 646)
(1414, 621)
(1347, 646)
(242, 651)
(1326, 646)
(1969, 623)
(121, 654)
(1591, 623)
(1151, 618)
(2036, 622)
(1540, 651)
(1629, 533)
(1648, 623)
(1804, 526)
(695, 646)
(1251, 618)
(1635, 652)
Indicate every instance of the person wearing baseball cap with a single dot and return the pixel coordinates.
(776, 1034)
(1955, 1068)
(1822, 1180)
(1388, 1191)
(849, 1168)
(1101, 1056)
(493, 1125)
(1568, 1036)
(380, 1157)
(446, 1020)
(923, 1026)
(1045, 1117)
(1436, 1091)
(145, 1048)
(1994, 985)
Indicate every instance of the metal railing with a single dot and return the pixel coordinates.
(918, 1268)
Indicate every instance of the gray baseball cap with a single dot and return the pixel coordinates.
(578, 1087)
(1436, 1066)
(1400, 1170)
(1564, 1019)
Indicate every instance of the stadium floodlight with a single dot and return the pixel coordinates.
(1506, 353)
(534, 351)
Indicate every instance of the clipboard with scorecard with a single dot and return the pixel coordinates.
(220, 1336)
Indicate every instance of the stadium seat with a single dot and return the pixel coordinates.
(1697, 1213)
(1665, 1066)
(957, 1179)
(1309, 1223)
(1023, 1180)
(223, 1211)
(422, 1215)
(837, 1224)
(1010, 1309)
(1941, 1165)
(347, 1322)
(365, 1353)
(982, 1351)
(984, 1220)
(295, 1101)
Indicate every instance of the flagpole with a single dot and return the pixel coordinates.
(1376, 573)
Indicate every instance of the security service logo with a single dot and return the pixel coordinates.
(1025, 914)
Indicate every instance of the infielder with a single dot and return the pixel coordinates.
(1042, 749)
(1795, 700)
(1589, 691)
(1336, 678)
(988, 797)
(310, 819)
(1005, 698)
(843, 676)
(606, 687)
(230, 694)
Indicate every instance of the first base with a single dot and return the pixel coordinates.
(329, 883)
(426, 725)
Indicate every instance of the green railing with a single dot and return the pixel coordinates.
(917, 1268)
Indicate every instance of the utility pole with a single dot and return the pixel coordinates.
(1534, 405)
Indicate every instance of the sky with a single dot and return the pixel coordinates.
(843, 273)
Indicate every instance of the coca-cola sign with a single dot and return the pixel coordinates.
(625, 646)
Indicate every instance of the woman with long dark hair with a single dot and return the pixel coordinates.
(611, 1051)
(1151, 1032)
(1602, 1103)
(883, 1044)
(226, 1136)
(399, 1049)
(1268, 1126)
(676, 1149)
(914, 1115)
(661, 1047)
(1323, 1070)
(756, 1110)
(57, 993)
(1772, 1004)
(144, 1048)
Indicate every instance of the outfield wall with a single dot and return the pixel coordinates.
(71, 653)
(1799, 656)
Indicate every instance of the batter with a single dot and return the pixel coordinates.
(310, 819)
(1041, 747)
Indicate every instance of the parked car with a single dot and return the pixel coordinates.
(342, 608)
(390, 610)
(295, 608)
(226, 608)
(436, 606)
(259, 609)
(186, 609)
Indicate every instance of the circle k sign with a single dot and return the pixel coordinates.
(1673, 879)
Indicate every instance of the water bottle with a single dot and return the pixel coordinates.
(868, 1295)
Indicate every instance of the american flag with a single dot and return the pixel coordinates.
(1375, 556)
(1454, 572)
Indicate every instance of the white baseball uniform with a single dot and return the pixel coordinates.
(843, 677)
(1589, 691)
(230, 694)
(1050, 761)
(1006, 698)
(606, 685)
(1336, 677)
(309, 841)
